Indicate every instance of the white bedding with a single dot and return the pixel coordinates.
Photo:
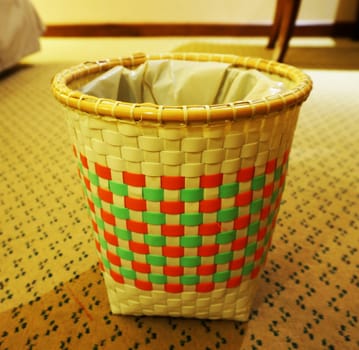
(20, 29)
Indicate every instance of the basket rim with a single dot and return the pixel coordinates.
(181, 113)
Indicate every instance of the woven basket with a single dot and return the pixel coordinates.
(183, 199)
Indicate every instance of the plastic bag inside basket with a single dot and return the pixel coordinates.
(175, 82)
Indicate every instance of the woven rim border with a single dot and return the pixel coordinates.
(183, 114)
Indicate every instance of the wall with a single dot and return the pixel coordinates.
(187, 11)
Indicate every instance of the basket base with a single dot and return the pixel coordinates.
(231, 304)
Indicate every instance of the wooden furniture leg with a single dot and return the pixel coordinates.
(356, 28)
(276, 24)
(283, 26)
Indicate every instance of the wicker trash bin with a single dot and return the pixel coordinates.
(183, 199)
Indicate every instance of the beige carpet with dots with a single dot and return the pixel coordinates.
(52, 295)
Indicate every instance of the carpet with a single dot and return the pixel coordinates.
(52, 295)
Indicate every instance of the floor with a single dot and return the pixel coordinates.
(52, 294)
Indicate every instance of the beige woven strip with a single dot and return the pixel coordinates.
(231, 304)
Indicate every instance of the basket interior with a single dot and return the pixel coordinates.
(178, 82)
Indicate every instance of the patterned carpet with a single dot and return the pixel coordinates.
(52, 295)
